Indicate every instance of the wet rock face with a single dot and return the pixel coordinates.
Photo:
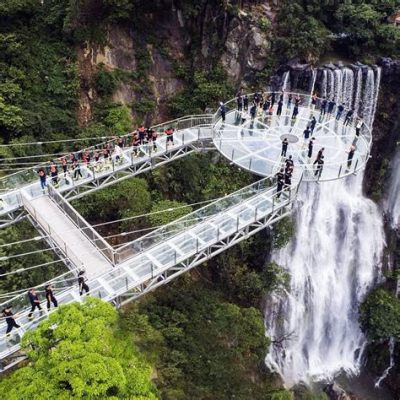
(335, 392)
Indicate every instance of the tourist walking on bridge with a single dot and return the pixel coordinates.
(245, 102)
(350, 156)
(331, 106)
(50, 297)
(10, 319)
(42, 178)
(285, 144)
(313, 122)
(307, 133)
(280, 181)
(239, 102)
(34, 300)
(170, 137)
(359, 126)
(324, 104)
(348, 118)
(339, 112)
(279, 109)
(310, 147)
(320, 165)
(319, 155)
(222, 111)
(82, 283)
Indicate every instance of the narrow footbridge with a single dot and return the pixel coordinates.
(125, 273)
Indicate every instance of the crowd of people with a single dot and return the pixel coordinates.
(35, 302)
(100, 158)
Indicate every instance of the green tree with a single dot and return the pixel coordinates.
(77, 353)
(167, 211)
(282, 232)
(119, 119)
(380, 315)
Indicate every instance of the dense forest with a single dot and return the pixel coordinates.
(203, 335)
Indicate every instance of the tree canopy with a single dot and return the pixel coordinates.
(78, 353)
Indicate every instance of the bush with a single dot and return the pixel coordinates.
(282, 232)
(380, 315)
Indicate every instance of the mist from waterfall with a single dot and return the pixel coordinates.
(333, 259)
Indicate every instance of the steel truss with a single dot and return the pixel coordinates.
(12, 217)
(202, 256)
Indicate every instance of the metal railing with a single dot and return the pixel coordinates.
(92, 235)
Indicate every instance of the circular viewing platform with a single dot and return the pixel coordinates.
(256, 144)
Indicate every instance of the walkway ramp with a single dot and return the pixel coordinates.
(76, 239)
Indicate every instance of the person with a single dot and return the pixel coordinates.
(245, 102)
(266, 107)
(253, 110)
(50, 297)
(82, 284)
(348, 117)
(42, 178)
(117, 153)
(281, 97)
(297, 100)
(106, 152)
(280, 181)
(324, 104)
(64, 165)
(10, 319)
(310, 147)
(319, 155)
(272, 99)
(295, 111)
(239, 102)
(77, 170)
(331, 106)
(96, 156)
(142, 134)
(288, 177)
(86, 157)
(359, 126)
(312, 124)
(320, 165)
(35, 302)
(170, 136)
(289, 102)
(121, 142)
(279, 109)
(135, 144)
(306, 133)
(339, 112)
(154, 136)
(54, 173)
(350, 156)
(285, 144)
(222, 111)
(289, 163)
(314, 99)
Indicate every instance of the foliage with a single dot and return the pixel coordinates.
(118, 119)
(128, 198)
(380, 315)
(78, 353)
(282, 232)
(105, 82)
(21, 232)
(174, 210)
(208, 346)
(282, 395)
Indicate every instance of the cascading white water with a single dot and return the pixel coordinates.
(324, 83)
(347, 87)
(286, 81)
(357, 96)
(393, 200)
(333, 260)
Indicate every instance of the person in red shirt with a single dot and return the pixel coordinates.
(170, 136)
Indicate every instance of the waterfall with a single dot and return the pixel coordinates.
(393, 201)
(324, 83)
(358, 92)
(286, 81)
(330, 89)
(347, 87)
(333, 260)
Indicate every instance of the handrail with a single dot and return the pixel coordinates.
(90, 233)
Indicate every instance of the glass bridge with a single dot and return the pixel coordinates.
(129, 271)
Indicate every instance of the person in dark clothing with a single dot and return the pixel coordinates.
(281, 97)
(285, 145)
(350, 156)
(82, 284)
(42, 178)
(35, 302)
(50, 297)
(253, 110)
(312, 124)
(339, 112)
(289, 102)
(266, 106)
(245, 102)
(310, 147)
(10, 319)
(279, 109)
(307, 133)
(324, 104)
(288, 178)
(319, 155)
(222, 110)
(54, 172)
(349, 117)
(331, 106)
(77, 169)
(289, 163)
(280, 181)
(359, 126)
(295, 111)
(320, 165)
(239, 102)
(272, 99)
